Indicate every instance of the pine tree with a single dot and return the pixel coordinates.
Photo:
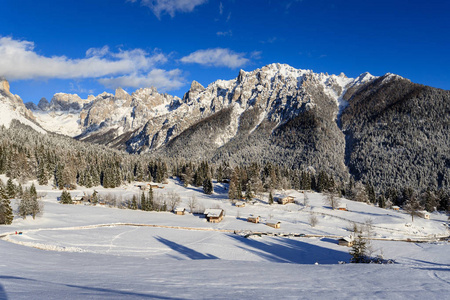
(270, 198)
(10, 189)
(208, 186)
(6, 213)
(134, 203)
(150, 201)
(248, 193)
(66, 198)
(143, 202)
(42, 174)
(94, 197)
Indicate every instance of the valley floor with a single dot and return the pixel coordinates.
(87, 252)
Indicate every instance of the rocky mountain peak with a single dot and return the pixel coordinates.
(43, 104)
(121, 94)
(4, 85)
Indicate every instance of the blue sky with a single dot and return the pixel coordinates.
(91, 46)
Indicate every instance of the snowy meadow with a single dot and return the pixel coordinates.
(102, 252)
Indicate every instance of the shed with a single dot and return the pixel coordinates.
(77, 199)
(395, 207)
(425, 214)
(342, 207)
(214, 215)
(239, 204)
(286, 200)
(253, 219)
(154, 186)
(179, 211)
(346, 241)
(274, 224)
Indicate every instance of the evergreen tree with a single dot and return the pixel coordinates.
(208, 186)
(270, 198)
(143, 202)
(42, 174)
(66, 198)
(134, 203)
(94, 197)
(248, 193)
(150, 201)
(10, 189)
(6, 213)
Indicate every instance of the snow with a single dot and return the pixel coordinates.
(7, 114)
(81, 251)
(62, 122)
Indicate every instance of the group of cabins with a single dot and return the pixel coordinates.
(146, 187)
(257, 219)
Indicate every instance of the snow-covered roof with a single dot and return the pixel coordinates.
(213, 212)
(342, 205)
(177, 209)
(349, 238)
(239, 203)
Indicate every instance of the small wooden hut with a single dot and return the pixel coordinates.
(346, 241)
(214, 215)
(274, 224)
(179, 211)
(239, 204)
(286, 200)
(342, 207)
(253, 219)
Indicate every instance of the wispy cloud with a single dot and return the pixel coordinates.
(225, 33)
(170, 7)
(161, 79)
(218, 57)
(19, 60)
(221, 8)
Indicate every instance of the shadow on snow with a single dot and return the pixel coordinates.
(190, 253)
(285, 250)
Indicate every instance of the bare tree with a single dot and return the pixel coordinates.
(192, 202)
(332, 200)
(173, 200)
(313, 220)
(305, 199)
(413, 208)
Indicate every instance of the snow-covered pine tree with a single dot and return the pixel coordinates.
(6, 213)
(66, 198)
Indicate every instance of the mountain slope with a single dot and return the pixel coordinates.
(398, 134)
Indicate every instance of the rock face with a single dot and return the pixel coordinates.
(13, 108)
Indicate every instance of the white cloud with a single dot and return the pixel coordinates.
(225, 33)
(217, 57)
(18, 60)
(220, 8)
(171, 6)
(161, 79)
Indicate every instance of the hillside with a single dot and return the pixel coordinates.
(102, 252)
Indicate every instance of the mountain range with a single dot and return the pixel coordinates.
(384, 130)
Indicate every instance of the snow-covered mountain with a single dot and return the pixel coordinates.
(147, 120)
(12, 108)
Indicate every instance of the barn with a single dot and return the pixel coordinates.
(214, 215)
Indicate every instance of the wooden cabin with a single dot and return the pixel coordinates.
(286, 200)
(342, 207)
(395, 207)
(214, 215)
(239, 204)
(154, 186)
(253, 219)
(425, 214)
(346, 241)
(179, 211)
(78, 200)
(274, 224)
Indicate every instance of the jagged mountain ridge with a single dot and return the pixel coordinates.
(146, 120)
(282, 115)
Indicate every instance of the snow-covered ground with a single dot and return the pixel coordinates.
(79, 251)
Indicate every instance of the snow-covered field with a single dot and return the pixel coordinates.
(80, 251)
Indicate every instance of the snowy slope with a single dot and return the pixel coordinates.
(186, 257)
